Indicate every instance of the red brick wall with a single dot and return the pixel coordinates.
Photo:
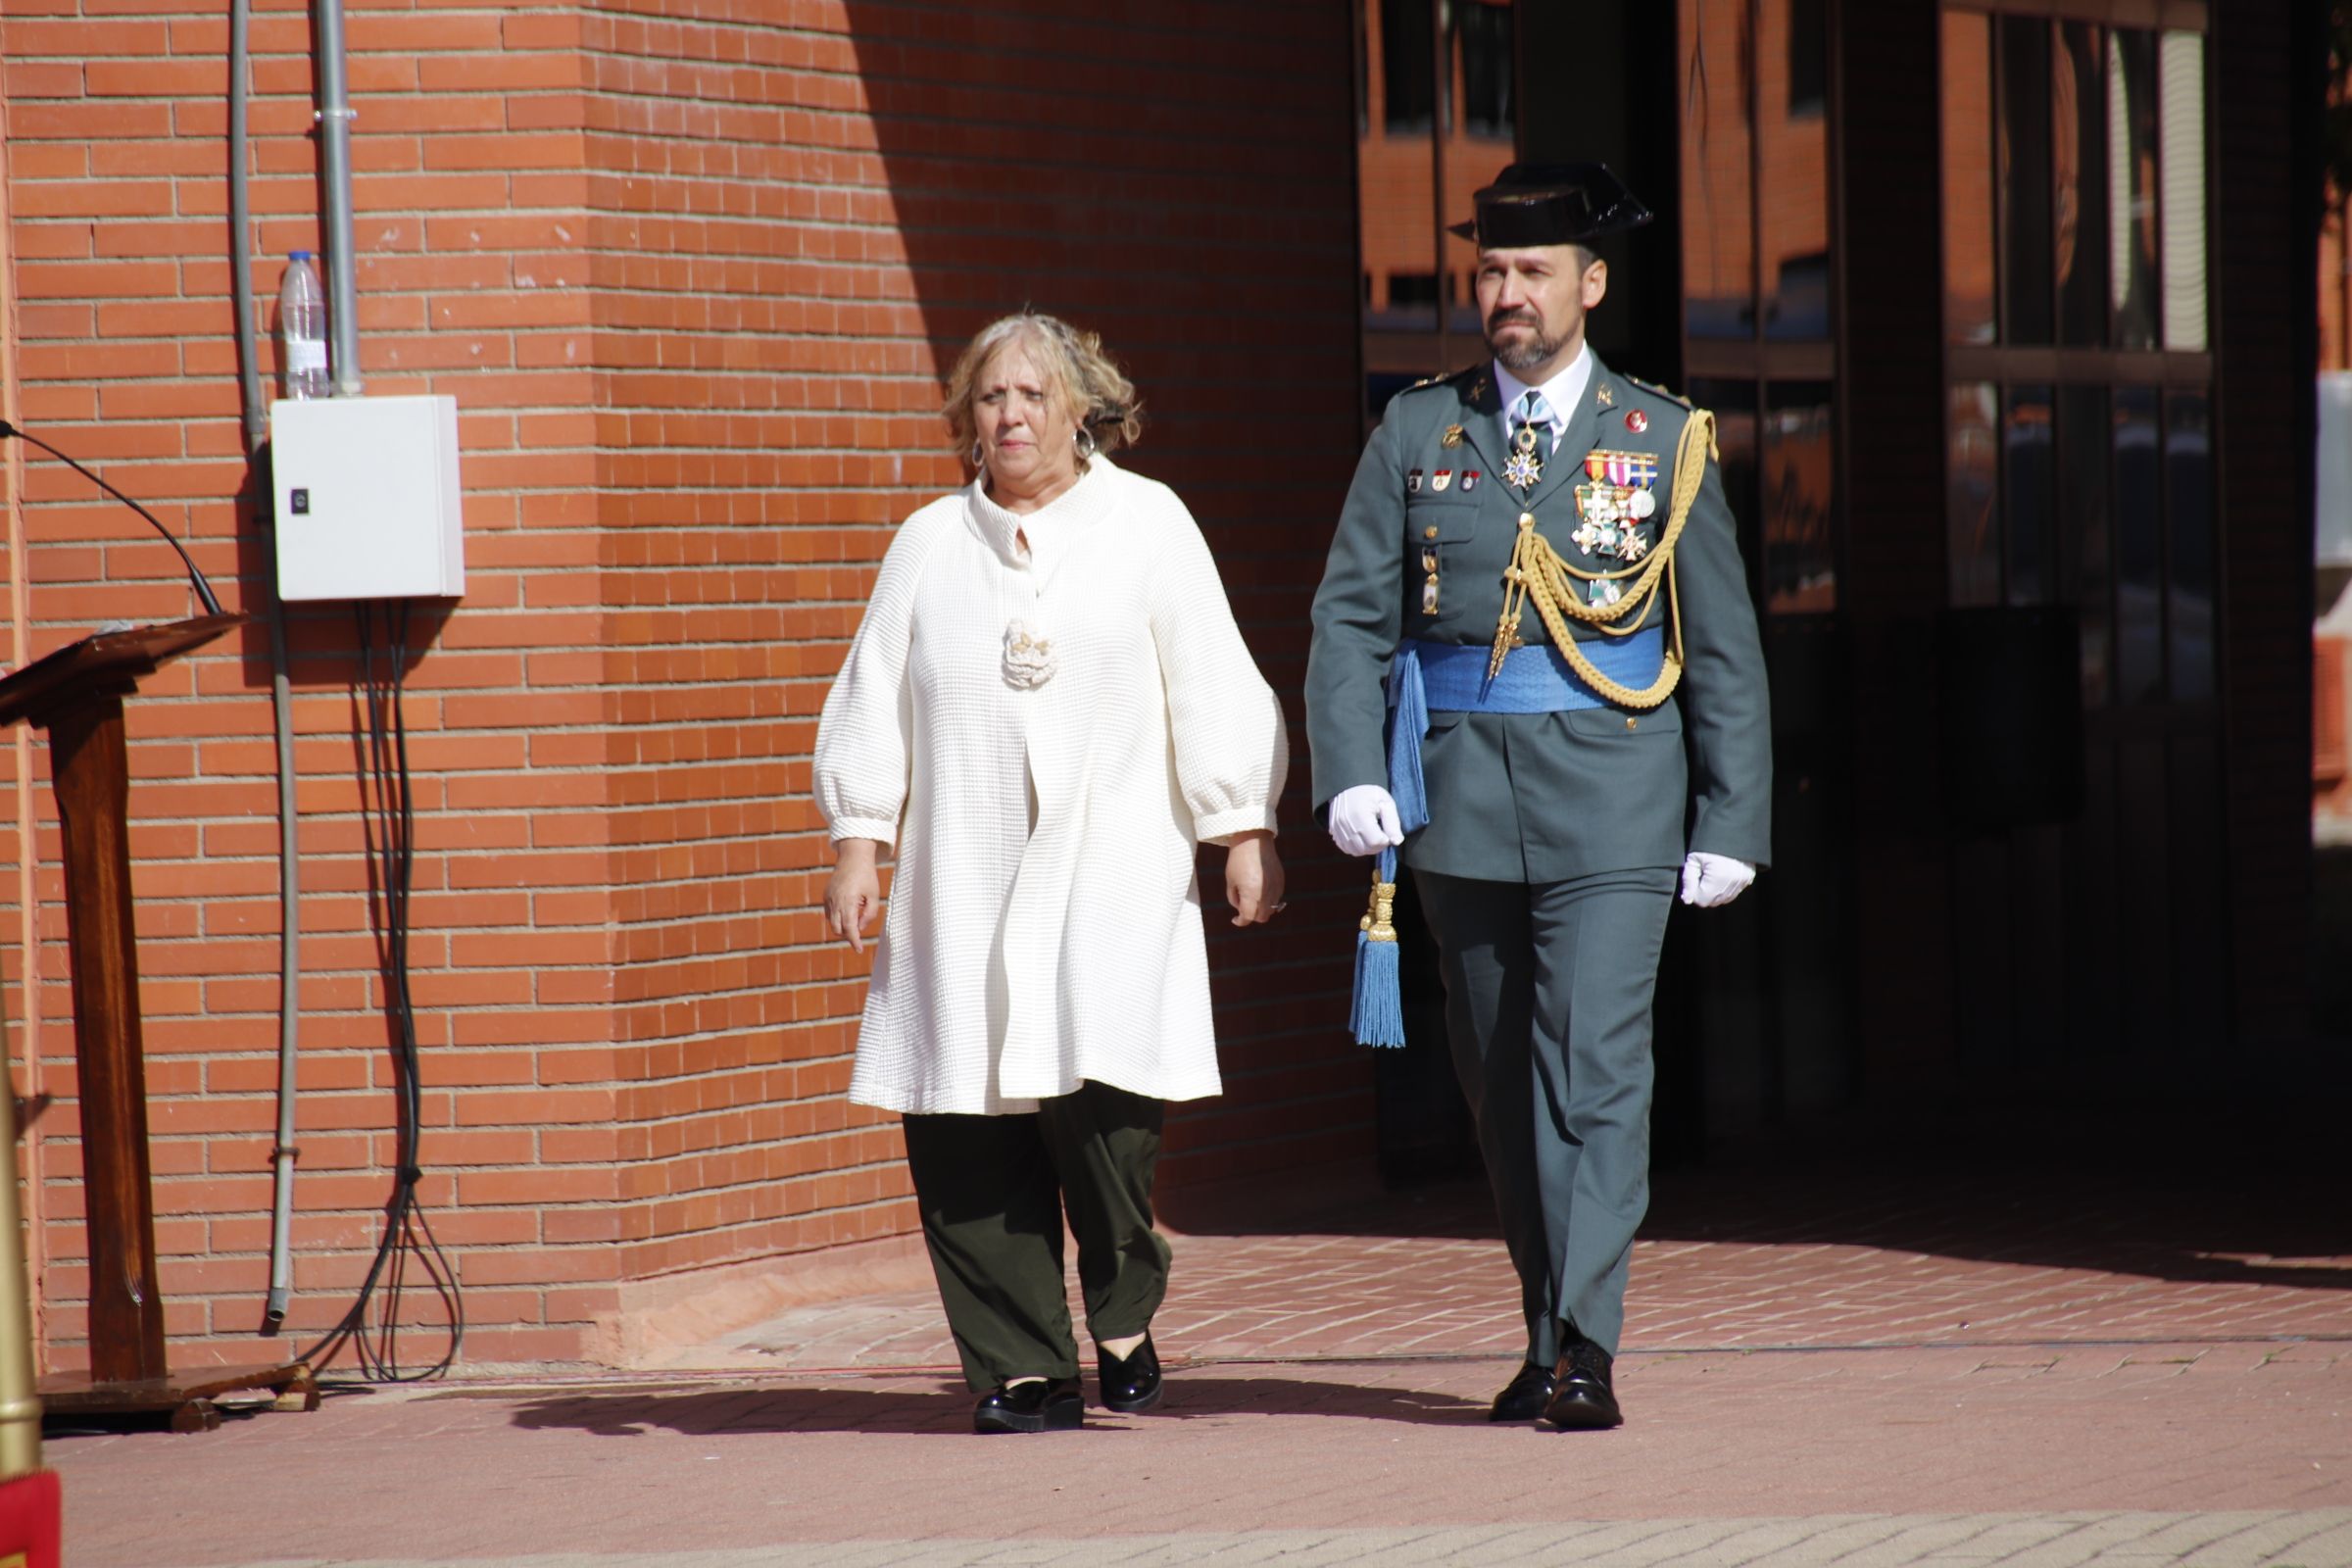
(692, 278)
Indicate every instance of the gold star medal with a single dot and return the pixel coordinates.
(1524, 468)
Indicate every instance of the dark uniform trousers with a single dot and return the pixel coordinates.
(1548, 987)
(992, 1191)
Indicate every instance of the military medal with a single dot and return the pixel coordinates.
(1412, 481)
(1524, 468)
(1613, 505)
(1439, 480)
(1637, 422)
(1469, 480)
(1452, 436)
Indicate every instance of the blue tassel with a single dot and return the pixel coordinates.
(1376, 1016)
(1406, 726)
(1379, 1004)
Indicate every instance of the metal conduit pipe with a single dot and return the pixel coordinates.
(335, 114)
(289, 866)
(240, 224)
(289, 978)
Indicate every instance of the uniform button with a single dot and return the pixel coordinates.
(1631, 722)
(1527, 519)
(1429, 533)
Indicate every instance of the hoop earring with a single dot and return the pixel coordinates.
(979, 457)
(1084, 441)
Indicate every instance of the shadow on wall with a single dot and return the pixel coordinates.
(1190, 200)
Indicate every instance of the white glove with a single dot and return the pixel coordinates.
(1710, 881)
(1364, 820)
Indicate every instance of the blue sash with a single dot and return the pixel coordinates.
(1426, 679)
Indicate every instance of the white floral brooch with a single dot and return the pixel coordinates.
(1029, 659)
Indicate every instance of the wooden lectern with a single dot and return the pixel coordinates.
(76, 694)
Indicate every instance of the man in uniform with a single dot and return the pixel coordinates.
(1537, 569)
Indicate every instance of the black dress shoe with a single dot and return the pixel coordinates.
(1524, 1397)
(1133, 1384)
(1045, 1404)
(1583, 1400)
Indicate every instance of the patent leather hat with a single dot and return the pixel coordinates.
(1551, 204)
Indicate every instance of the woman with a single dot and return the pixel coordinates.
(1047, 706)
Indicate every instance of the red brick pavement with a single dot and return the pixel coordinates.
(2049, 1339)
(707, 1464)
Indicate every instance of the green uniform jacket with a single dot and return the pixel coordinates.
(1537, 796)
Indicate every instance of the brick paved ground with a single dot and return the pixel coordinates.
(1959, 1540)
(2031, 1364)
(2201, 1540)
(1737, 1257)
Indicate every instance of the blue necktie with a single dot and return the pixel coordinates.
(1533, 408)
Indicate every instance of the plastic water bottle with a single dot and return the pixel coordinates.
(302, 328)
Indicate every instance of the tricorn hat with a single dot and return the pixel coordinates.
(1551, 204)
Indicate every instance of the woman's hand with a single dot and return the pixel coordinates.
(1253, 878)
(854, 893)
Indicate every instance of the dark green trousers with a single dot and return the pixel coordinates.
(992, 1191)
(1548, 989)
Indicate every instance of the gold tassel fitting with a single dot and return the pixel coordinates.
(1380, 916)
(1504, 633)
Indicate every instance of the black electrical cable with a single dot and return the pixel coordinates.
(390, 819)
(204, 590)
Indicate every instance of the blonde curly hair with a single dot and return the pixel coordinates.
(1090, 381)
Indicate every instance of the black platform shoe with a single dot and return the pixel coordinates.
(1133, 1384)
(1524, 1397)
(1045, 1404)
(1584, 1399)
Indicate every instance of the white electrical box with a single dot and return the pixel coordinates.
(367, 497)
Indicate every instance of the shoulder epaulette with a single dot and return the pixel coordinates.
(1655, 390)
(1448, 375)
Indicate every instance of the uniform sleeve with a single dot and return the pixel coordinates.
(1358, 615)
(1725, 700)
(1232, 751)
(866, 738)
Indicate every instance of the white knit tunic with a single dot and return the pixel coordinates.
(1044, 926)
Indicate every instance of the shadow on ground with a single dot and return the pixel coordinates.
(2170, 1189)
(944, 1407)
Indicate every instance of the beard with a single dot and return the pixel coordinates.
(1525, 350)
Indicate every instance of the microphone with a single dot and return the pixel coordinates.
(204, 590)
